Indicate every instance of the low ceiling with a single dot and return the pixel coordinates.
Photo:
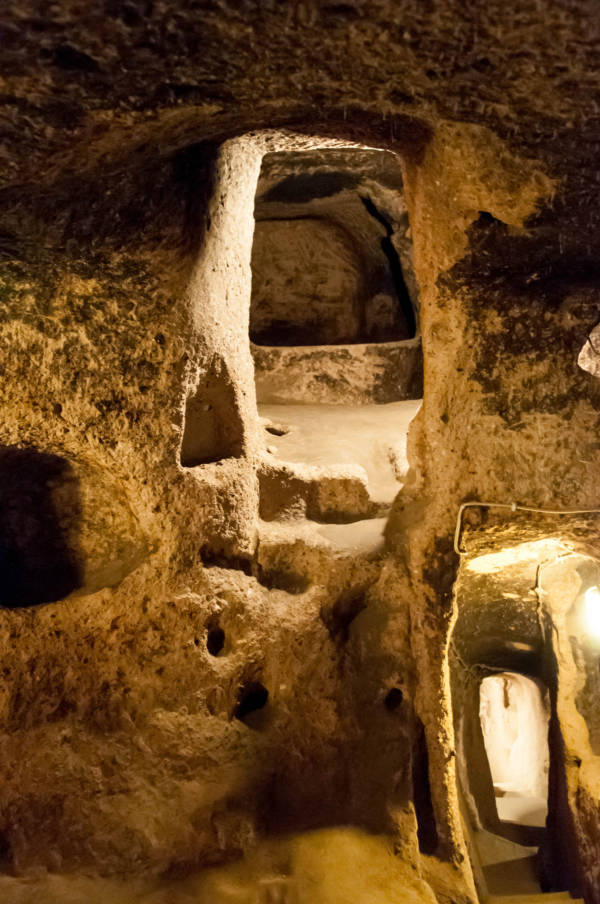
(84, 81)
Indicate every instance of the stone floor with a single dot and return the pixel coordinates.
(371, 436)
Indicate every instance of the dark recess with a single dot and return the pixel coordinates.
(215, 640)
(426, 827)
(560, 860)
(393, 699)
(338, 617)
(252, 697)
(6, 853)
(387, 246)
(40, 513)
(219, 558)
(289, 581)
(65, 56)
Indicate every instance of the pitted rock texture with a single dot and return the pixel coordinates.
(306, 284)
(134, 135)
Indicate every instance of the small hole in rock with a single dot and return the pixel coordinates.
(277, 430)
(393, 699)
(252, 697)
(215, 640)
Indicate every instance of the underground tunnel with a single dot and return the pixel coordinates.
(299, 507)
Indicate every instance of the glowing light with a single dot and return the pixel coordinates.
(525, 553)
(592, 611)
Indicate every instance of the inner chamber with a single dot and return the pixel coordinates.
(335, 340)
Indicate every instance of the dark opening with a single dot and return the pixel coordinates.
(215, 640)
(338, 617)
(40, 513)
(219, 558)
(252, 697)
(279, 579)
(406, 310)
(393, 699)
(426, 826)
(6, 853)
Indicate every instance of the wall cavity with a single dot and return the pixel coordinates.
(213, 426)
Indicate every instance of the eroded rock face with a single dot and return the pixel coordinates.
(306, 284)
(130, 742)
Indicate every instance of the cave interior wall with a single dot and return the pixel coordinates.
(180, 688)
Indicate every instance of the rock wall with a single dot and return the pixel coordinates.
(157, 719)
(134, 142)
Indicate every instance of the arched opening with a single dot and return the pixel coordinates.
(334, 338)
(503, 680)
(514, 714)
(326, 259)
(503, 758)
(334, 307)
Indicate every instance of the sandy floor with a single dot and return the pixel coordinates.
(372, 436)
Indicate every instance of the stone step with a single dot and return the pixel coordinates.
(328, 439)
(300, 553)
(290, 491)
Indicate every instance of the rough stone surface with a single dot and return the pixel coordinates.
(306, 282)
(133, 139)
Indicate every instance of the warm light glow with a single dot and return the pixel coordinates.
(592, 611)
(533, 551)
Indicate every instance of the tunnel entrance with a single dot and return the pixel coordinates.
(509, 761)
(334, 302)
(334, 338)
(503, 764)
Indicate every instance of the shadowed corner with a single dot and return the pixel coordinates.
(40, 517)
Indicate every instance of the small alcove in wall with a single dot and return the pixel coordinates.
(334, 337)
(213, 427)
